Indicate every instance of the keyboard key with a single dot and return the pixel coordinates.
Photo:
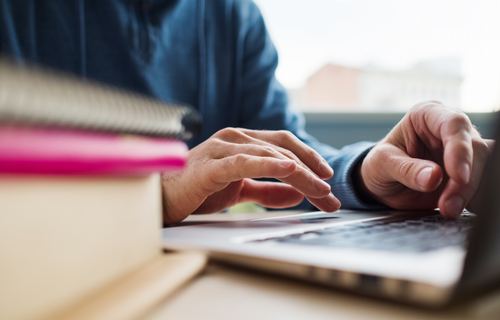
(413, 235)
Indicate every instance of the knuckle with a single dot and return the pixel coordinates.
(239, 160)
(311, 153)
(285, 136)
(239, 165)
(464, 147)
(426, 105)
(289, 154)
(460, 120)
(406, 168)
(436, 102)
(223, 165)
(214, 141)
(233, 166)
(457, 123)
(222, 132)
(381, 153)
(216, 147)
(228, 132)
(268, 151)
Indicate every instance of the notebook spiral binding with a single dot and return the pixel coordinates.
(32, 95)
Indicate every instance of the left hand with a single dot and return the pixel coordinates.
(222, 168)
(433, 157)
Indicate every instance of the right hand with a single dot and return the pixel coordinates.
(220, 172)
(434, 140)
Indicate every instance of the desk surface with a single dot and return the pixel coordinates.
(224, 292)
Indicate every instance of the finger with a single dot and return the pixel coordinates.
(288, 141)
(458, 152)
(328, 204)
(234, 141)
(270, 194)
(393, 164)
(240, 166)
(245, 164)
(455, 197)
(223, 171)
(455, 131)
(307, 183)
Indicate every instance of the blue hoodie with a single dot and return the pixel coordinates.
(215, 55)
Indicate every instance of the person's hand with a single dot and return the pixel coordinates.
(221, 169)
(433, 157)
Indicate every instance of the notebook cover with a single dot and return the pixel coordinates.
(25, 150)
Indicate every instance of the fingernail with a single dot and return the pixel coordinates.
(325, 168)
(424, 176)
(464, 172)
(286, 163)
(321, 185)
(455, 206)
(332, 201)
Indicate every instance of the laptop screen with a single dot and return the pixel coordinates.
(482, 266)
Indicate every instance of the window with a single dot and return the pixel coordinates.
(386, 55)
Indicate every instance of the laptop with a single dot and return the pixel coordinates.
(414, 257)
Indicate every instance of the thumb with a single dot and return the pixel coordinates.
(416, 174)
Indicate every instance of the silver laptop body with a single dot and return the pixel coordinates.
(416, 257)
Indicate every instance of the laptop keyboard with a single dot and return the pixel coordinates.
(414, 235)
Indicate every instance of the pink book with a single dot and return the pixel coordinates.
(26, 150)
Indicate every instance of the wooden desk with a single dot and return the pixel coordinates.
(225, 292)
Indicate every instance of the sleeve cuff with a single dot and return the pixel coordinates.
(342, 182)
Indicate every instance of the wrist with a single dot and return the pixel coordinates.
(360, 187)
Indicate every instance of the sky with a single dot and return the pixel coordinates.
(393, 34)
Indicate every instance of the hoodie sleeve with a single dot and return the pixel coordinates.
(264, 105)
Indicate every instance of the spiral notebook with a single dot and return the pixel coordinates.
(32, 95)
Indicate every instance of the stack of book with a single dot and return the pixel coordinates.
(80, 197)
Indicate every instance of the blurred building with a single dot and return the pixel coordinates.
(340, 88)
